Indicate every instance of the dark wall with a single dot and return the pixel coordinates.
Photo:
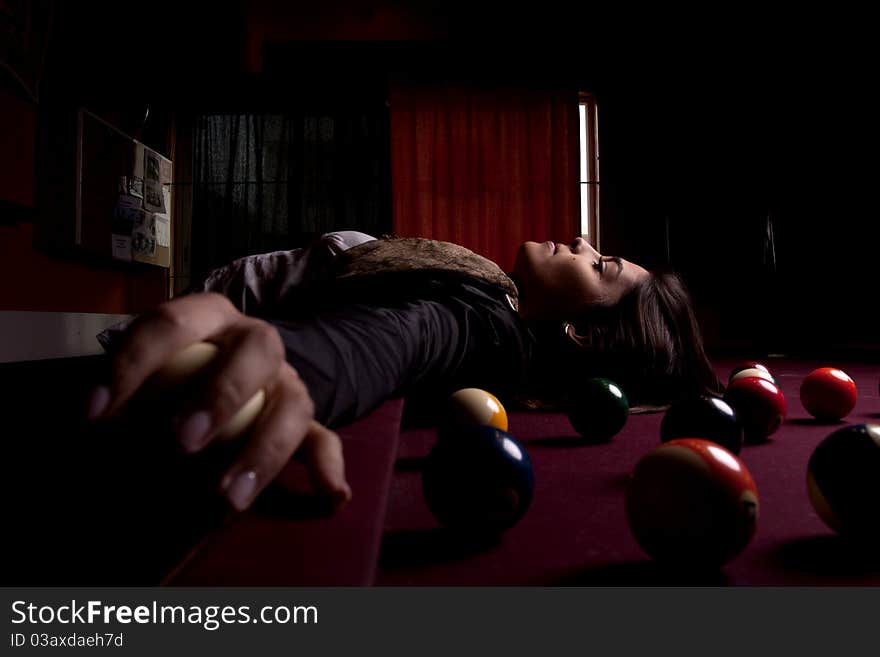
(119, 59)
(708, 142)
(116, 59)
(707, 123)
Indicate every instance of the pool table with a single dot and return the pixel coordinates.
(575, 532)
(97, 507)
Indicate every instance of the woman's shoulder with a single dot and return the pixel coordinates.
(343, 240)
(419, 259)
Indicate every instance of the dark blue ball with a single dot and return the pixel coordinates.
(478, 479)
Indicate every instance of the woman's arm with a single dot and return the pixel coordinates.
(252, 357)
(328, 369)
(354, 358)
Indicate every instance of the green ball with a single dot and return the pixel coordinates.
(598, 409)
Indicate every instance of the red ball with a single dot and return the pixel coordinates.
(692, 502)
(759, 405)
(828, 393)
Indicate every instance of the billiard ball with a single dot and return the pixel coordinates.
(828, 393)
(706, 417)
(748, 365)
(759, 405)
(753, 371)
(597, 409)
(473, 406)
(184, 369)
(691, 503)
(842, 480)
(481, 484)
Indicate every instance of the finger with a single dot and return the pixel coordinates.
(251, 357)
(276, 435)
(153, 339)
(322, 453)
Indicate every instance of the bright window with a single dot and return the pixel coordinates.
(589, 169)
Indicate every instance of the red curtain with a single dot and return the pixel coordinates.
(485, 168)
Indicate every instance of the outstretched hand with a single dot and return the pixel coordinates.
(251, 358)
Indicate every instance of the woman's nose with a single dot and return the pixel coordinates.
(580, 245)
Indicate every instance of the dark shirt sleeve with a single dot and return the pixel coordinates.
(354, 358)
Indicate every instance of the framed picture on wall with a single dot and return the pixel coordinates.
(24, 36)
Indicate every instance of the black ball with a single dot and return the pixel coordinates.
(479, 479)
(707, 417)
(598, 409)
(842, 481)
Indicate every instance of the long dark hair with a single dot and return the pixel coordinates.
(649, 343)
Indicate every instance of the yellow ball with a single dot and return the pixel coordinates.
(474, 406)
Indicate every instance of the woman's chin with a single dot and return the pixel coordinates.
(525, 259)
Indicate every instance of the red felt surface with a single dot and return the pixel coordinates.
(102, 487)
(576, 533)
(285, 541)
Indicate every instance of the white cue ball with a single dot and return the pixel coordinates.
(189, 362)
(753, 371)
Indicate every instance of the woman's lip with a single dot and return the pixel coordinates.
(551, 246)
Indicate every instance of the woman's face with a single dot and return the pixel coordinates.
(559, 281)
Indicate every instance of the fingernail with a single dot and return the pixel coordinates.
(193, 430)
(342, 496)
(242, 490)
(98, 402)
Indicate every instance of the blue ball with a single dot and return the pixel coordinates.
(479, 480)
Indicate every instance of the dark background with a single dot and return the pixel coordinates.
(708, 120)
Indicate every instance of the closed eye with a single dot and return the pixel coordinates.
(617, 261)
(600, 264)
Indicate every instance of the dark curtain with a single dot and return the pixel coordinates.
(267, 182)
(487, 168)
